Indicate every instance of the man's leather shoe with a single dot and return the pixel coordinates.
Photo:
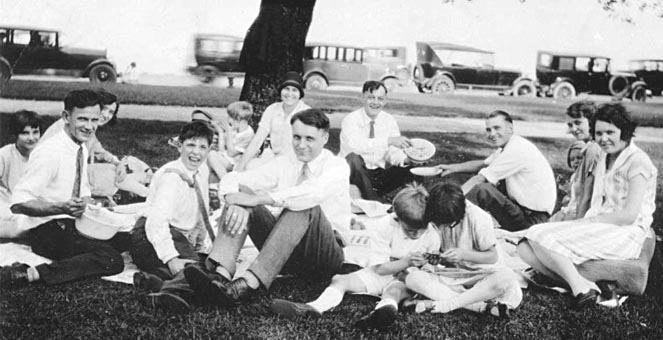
(293, 310)
(583, 300)
(169, 301)
(237, 290)
(207, 286)
(147, 282)
(380, 318)
(15, 275)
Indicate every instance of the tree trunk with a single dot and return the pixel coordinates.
(274, 45)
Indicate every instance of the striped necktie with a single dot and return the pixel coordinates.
(76, 192)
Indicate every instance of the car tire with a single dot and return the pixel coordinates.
(391, 84)
(618, 86)
(524, 88)
(315, 82)
(639, 94)
(564, 90)
(443, 85)
(207, 74)
(102, 74)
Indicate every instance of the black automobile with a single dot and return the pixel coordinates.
(217, 55)
(563, 75)
(25, 50)
(651, 72)
(443, 67)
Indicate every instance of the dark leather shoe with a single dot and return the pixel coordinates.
(380, 318)
(238, 289)
(169, 301)
(206, 285)
(498, 309)
(15, 275)
(293, 310)
(147, 282)
(583, 300)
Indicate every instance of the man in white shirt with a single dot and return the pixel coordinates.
(312, 194)
(515, 184)
(373, 146)
(52, 192)
(175, 226)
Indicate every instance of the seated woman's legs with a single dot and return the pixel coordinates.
(563, 267)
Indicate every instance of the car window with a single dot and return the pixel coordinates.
(600, 65)
(4, 35)
(349, 54)
(582, 64)
(566, 63)
(650, 66)
(359, 56)
(21, 37)
(660, 65)
(47, 39)
(331, 52)
(545, 59)
(341, 54)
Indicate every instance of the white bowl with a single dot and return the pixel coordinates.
(426, 171)
(421, 150)
(100, 223)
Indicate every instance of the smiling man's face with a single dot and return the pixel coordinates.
(193, 152)
(81, 123)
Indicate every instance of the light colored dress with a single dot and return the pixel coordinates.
(277, 123)
(582, 241)
(12, 167)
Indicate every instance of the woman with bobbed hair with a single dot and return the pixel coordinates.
(618, 221)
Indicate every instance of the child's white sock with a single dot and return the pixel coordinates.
(385, 302)
(33, 274)
(329, 299)
(477, 307)
(446, 306)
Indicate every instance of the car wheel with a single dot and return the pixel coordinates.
(564, 90)
(524, 88)
(391, 84)
(315, 82)
(443, 85)
(206, 74)
(618, 86)
(639, 94)
(103, 74)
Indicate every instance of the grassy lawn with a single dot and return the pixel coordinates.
(98, 309)
(458, 105)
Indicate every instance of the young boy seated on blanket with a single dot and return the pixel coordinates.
(236, 134)
(175, 228)
(405, 238)
(474, 278)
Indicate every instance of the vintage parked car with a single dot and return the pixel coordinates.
(442, 67)
(332, 64)
(651, 72)
(217, 55)
(563, 75)
(27, 50)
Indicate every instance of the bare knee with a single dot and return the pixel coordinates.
(417, 280)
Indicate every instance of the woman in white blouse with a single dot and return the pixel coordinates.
(275, 122)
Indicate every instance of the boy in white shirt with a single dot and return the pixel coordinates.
(175, 228)
(405, 238)
(236, 135)
(469, 247)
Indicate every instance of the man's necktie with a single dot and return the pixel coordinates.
(371, 133)
(201, 207)
(305, 174)
(76, 192)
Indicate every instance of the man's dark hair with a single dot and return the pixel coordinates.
(373, 85)
(24, 118)
(197, 129)
(500, 113)
(107, 98)
(312, 117)
(81, 99)
(582, 109)
(446, 204)
(617, 115)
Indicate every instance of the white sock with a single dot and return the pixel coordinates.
(33, 274)
(386, 302)
(477, 307)
(329, 299)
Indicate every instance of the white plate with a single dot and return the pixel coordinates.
(421, 150)
(426, 171)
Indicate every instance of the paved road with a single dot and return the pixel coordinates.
(406, 123)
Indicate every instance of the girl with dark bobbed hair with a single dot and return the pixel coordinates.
(618, 222)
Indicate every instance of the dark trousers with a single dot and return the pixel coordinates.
(74, 255)
(146, 259)
(510, 215)
(298, 242)
(374, 183)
